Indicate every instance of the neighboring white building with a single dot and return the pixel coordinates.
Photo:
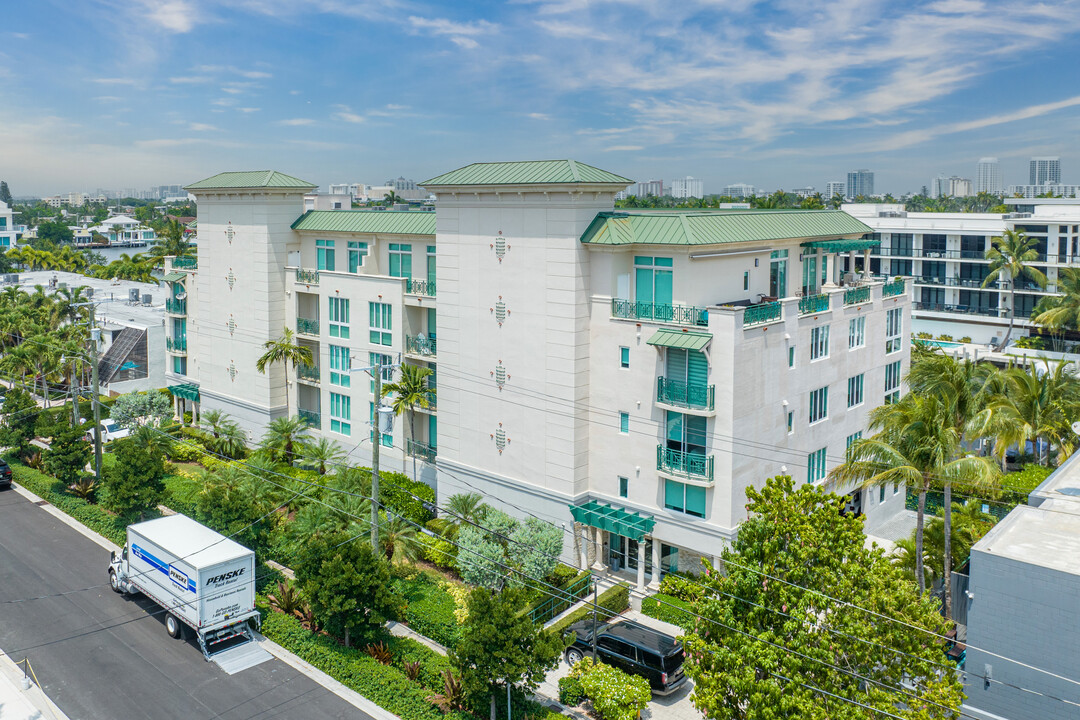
(124, 231)
(988, 176)
(650, 187)
(804, 192)
(1034, 191)
(860, 182)
(1044, 171)
(740, 190)
(834, 188)
(587, 362)
(687, 187)
(8, 235)
(960, 187)
(333, 201)
(945, 254)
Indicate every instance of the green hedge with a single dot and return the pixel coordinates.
(384, 685)
(398, 492)
(669, 609)
(431, 609)
(49, 488)
(612, 602)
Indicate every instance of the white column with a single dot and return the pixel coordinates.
(641, 565)
(717, 563)
(866, 263)
(598, 550)
(579, 549)
(654, 583)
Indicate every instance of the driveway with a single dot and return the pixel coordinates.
(101, 655)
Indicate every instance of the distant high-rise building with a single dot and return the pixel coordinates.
(652, 187)
(834, 188)
(988, 176)
(687, 187)
(860, 182)
(960, 187)
(739, 190)
(939, 186)
(1044, 171)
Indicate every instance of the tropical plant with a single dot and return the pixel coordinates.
(286, 598)
(410, 392)
(285, 350)
(1062, 311)
(320, 454)
(284, 436)
(399, 539)
(1011, 255)
(460, 509)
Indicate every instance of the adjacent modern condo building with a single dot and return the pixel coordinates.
(625, 375)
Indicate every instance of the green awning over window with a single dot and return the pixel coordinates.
(174, 276)
(667, 337)
(187, 391)
(606, 517)
(841, 245)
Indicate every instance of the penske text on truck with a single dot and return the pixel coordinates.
(201, 578)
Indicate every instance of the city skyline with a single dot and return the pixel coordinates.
(338, 93)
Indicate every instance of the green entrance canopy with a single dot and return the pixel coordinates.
(667, 337)
(613, 519)
(187, 391)
(841, 245)
(174, 276)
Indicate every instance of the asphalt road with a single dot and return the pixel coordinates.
(100, 655)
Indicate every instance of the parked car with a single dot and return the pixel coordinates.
(633, 648)
(5, 474)
(109, 431)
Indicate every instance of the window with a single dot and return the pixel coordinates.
(893, 329)
(385, 439)
(791, 356)
(746, 280)
(856, 332)
(379, 318)
(624, 486)
(819, 342)
(778, 273)
(624, 423)
(815, 466)
(851, 440)
(881, 493)
(339, 317)
(179, 365)
(340, 413)
(855, 390)
(653, 279)
(892, 382)
(400, 260)
(791, 421)
(688, 499)
(624, 357)
(339, 366)
(357, 253)
(819, 404)
(325, 251)
(386, 362)
(431, 264)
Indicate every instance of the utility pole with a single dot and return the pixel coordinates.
(377, 438)
(95, 339)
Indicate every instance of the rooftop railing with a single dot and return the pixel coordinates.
(660, 312)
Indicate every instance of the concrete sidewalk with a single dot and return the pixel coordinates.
(21, 698)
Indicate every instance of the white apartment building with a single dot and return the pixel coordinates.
(122, 230)
(945, 255)
(804, 192)
(988, 176)
(740, 190)
(1034, 191)
(687, 187)
(8, 235)
(834, 188)
(953, 186)
(626, 375)
(1044, 171)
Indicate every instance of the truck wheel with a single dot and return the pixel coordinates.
(114, 582)
(173, 626)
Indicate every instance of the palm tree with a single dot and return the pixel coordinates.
(461, 509)
(398, 539)
(1011, 254)
(285, 350)
(1062, 312)
(171, 241)
(917, 443)
(283, 436)
(319, 454)
(213, 421)
(410, 392)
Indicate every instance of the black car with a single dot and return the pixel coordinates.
(5, 474)
(633, 648)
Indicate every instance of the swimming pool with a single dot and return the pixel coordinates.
(936, 343)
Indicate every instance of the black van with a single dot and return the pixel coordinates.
(5, 474)
(633, 648)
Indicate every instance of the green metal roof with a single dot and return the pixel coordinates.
(385, 222)
(534, 172)
(667, 337)
(606, 517)
(174, 276)
(718, 227)
(841, 245)
(251, 179)
(187, 391)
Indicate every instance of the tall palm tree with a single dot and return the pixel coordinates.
(318, 455)
(283, 437)
(410, 392)
(1062, 312)
(917, 443)
(1011, 254)
(285, 350)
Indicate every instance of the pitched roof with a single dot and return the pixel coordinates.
(250, 179)
(367, 221)
(718, 227)
(533, 172)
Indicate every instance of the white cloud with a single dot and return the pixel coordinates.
(297, 122)
(465, 42)
(189, 79)
(254, 74)
(565, 29)
(624, 148)
(108, 99)
(201, 127)
(178, 16)
(115, 81)
(538, 116)
(248, 109)
(345, 114)
(21, 35)
(462, 34)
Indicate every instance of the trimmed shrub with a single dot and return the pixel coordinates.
(669, 609)
(612, 602)
(570, 691)
(614, 694)
(398, 492)
(439, 551)
(183, 452)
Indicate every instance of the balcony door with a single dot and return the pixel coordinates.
(653, 280)
(687, 375)
(686, 433)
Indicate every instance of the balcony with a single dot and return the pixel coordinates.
(185, 263)
(813, 304)
(694, 468)
(311, 417)
(176, 345)
(308, 373)
(894, 288)
(420, 287)
(684, 395)
(174, 306)
(761, 314)
(420, 345)
(956, 309)
(662, 313)
(856, 296)
(308, 277)
(304, 326)
(421, 450)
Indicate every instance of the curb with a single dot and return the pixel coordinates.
(34, 695)
(65, 518)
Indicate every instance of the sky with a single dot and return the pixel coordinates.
(132, 93)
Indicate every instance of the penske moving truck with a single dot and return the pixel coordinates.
(201, 578)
